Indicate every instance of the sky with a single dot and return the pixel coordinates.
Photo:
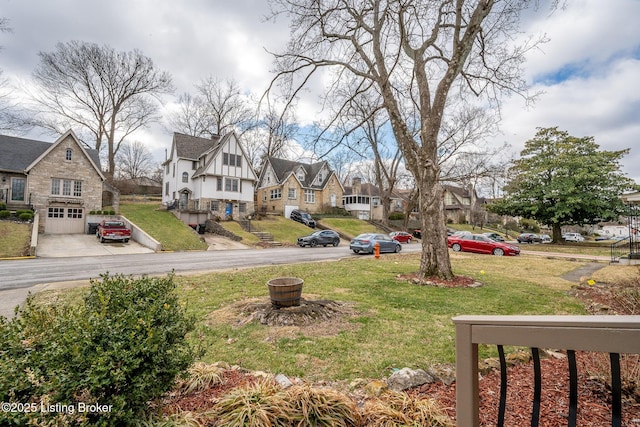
(587, 73)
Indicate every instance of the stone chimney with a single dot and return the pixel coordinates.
(356, 186)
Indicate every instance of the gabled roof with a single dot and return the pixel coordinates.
(192, 147)
(21, 154)
(283, 168)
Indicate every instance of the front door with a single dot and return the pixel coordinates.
(228, 210)
(184, 198)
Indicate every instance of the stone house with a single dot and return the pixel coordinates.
(285, 185)
(462, 203)
(211, 176)
(61, 181)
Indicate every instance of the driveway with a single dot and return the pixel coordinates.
(72, 245)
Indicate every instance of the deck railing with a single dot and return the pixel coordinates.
(607, 334)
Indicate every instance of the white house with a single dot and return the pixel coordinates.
(209, 174)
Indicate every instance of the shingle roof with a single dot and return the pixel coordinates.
(283, 168)
(192, 147)
(18, 153)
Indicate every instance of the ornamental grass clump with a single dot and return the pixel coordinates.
(398, 409)
(321, 407)
(201, 377)
(257, 404)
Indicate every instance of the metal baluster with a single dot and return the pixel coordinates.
(573, 388)
(503, 386)
(616, 391)
(537, 387)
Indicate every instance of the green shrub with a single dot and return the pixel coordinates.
(5, 214)
(112, 212)
(120, 349)
(3, 206)
(25, 216)
(395, 216)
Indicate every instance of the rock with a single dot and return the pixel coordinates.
(445, 374)
(283, 380)
(375, 388)
(407, 378)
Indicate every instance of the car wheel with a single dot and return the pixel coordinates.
(498, 252)
(408, 241)
(336, 242)
(456, 247)
(126, 240)
(101, 239)
(398, 248)
(356, 251)
(313, 243)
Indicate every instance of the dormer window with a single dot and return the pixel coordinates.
(185, 177)
(68, 154)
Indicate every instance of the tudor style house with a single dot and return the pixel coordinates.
(62, 181)
(286, 185)
(209, 174)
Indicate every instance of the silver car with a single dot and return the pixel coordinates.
(365, 243)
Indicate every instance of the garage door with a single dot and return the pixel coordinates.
(288, 209)
(64, 220)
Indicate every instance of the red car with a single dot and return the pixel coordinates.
(481, 244)
(401, 236)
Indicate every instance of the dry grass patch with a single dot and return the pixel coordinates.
(14, 239)
(616, 273)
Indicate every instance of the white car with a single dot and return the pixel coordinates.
(573, 237)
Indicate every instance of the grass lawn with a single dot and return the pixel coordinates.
(284, 230)
(396, 324)
(163, 226)
(14, 239)
(349, 226)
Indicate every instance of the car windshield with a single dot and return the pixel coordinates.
(305, 215)
(317, 233)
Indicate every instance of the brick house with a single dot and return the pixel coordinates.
(285, 185)
(62, 181)
(212, 175)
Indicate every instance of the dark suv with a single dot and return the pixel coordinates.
(303, 217)
(529, 238)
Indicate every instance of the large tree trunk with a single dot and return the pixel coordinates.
(556, 233)
(435, 253)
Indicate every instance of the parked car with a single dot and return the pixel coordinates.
(417, 233)
(528, 238)
(545, 238)
(320, 237)
(479, 243)
(573, 237)
(459, 233)
(113, 230)
(401, 236)
(364, 243)
(494, 236)
(303, 217)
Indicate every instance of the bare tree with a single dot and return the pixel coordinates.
(226, 107)
(191, 118)
(107, 94)
(134, 160)
(12, 117)
(414, 53)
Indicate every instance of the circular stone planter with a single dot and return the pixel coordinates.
(285, 291)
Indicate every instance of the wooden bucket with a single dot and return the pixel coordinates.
(285, 291)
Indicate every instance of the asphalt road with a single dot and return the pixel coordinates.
(20, 277)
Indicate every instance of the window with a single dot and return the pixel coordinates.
(166, 189)
(55, 186)
(231, 159)
(75, 213)
(215, 206)
(292, 193)
(66, 187)
(231, 184)
(69, 187)
(309, 196)
(68, 154)
(185, 177)
(242, 207)
(17, 189)
(275, 194)
(219, 184)
(194, 164)
(55, 213)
